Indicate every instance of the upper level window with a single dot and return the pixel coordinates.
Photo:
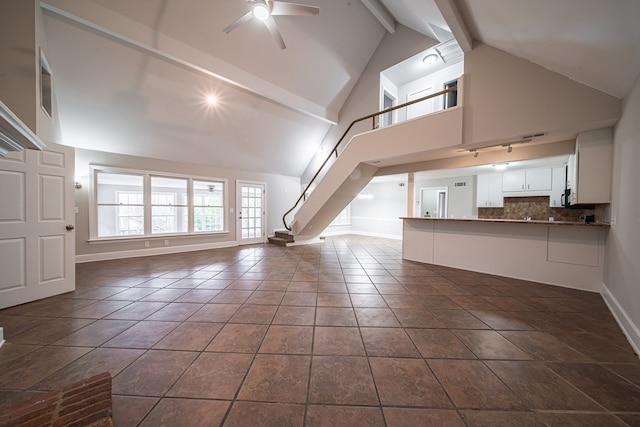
(133, 203)
(46, 85)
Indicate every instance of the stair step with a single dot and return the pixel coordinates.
(277, 241)
(288, 237)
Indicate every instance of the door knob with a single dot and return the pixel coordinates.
(69, 227)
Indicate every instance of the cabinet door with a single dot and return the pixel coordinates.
(489, 191)
(482, 191)
(538, 179)
(513, 181)
(495, 191)
(594, 164)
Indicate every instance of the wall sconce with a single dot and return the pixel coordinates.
(78, 185)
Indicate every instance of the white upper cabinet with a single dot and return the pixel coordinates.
(489, 191)
(593, 167)
(538, 179)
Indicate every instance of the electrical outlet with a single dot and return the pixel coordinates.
(613, 220)
(146, 244)
(166, 242)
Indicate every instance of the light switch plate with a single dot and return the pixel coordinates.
(613, 220)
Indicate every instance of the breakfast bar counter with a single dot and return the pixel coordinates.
(569, 254)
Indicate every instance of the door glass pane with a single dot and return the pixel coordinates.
(251, 211)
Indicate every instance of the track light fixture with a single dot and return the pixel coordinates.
(509, 148)
(475, 153)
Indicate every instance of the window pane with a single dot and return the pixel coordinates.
(168, 219)
(116, 221)
(112, 188)
(207, 219)
(168, 191)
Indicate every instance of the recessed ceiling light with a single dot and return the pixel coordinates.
(212, 100)
(430, 59)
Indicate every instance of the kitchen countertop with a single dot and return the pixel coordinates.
(515, 221)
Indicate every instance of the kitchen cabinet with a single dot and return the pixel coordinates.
(592, 167)
(538, 179)
(489, 191)
(558, 179)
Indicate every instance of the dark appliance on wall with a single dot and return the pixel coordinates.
(565, 197)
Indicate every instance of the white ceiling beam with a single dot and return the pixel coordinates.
(454, 20)
(381, 14)
(185, 56)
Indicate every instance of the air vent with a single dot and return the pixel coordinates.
(460, 184)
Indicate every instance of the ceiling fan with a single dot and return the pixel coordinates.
(265, 10)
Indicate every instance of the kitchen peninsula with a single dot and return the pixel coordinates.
(563, 253)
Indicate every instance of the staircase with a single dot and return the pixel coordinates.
(281, 238)
(360, 161)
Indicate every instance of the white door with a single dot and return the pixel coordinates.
(37, 241)
(420, 108)
(251, 212)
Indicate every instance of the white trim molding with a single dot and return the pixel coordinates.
(105, 256)
(630, 329)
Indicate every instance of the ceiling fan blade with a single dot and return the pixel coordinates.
(282, 8)
(238, 22)
(270, 23)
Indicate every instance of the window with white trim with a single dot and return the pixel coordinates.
(120, 204)
(344, 217)
(137, 203)
(208, 206)
(169, 205)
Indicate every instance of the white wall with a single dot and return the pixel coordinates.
(506, 97)
(380, 214)
(281, 193)
(461, 200)
(364, 98)
(21, 38)
(435, 81)
(622, 274)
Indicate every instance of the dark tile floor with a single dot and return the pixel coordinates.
(339, 333)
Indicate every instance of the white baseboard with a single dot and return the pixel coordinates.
(362, 233)
(105, 256)
(630, 329)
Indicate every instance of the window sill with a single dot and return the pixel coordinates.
(98, 240)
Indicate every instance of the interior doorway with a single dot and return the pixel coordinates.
(388, 101)
(433, 202)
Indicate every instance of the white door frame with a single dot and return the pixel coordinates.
(238, 213)
(440, 190)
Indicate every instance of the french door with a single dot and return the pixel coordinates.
(251, 212)
(37, 242)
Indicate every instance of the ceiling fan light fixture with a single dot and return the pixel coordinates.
(261, 11)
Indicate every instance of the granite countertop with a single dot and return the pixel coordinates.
(516, 221)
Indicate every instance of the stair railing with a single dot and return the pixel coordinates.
(372, 116)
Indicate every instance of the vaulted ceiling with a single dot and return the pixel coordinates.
(132, 76)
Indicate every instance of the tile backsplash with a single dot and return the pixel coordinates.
(538, 209)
